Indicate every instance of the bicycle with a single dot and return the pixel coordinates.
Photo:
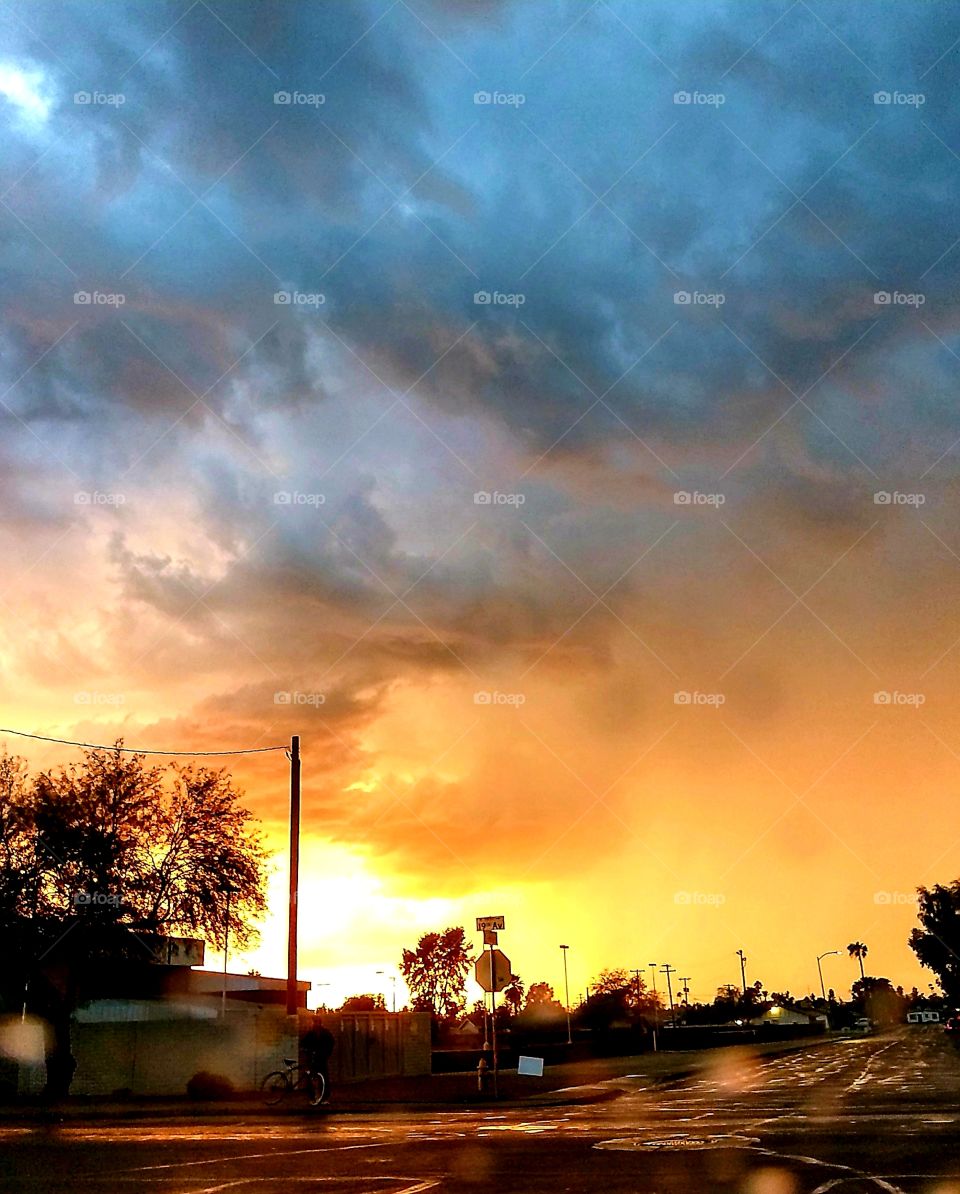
(280, 1084)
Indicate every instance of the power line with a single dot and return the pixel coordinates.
(132, 750)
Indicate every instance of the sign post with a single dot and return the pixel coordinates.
(492, 972)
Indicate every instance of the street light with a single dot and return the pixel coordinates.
(820, 969)
(566, 993)
(393, 980)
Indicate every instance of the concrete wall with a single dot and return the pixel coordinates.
(158, 1057)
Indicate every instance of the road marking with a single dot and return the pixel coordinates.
(284, 1152)
(417, 1188)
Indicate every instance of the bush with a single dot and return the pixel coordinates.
(205, 1086)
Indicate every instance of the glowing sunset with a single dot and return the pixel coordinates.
(545, 411)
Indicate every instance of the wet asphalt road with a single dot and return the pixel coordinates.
(876, 1113)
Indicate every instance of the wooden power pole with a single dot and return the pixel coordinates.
(294, 875)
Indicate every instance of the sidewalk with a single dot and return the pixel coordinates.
(577, 1083)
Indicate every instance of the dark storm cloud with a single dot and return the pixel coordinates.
(315, 197)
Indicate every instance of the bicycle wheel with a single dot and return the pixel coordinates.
(317, 1090)
(274, 1087)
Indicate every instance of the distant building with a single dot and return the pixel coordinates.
(794, 1017)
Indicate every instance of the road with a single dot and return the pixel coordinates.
(874, 1113)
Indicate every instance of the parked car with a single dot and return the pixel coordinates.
(864, 1024)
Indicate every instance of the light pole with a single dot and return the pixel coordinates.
(393, 980)
(656, 1004)
(820, 970)
(686, 990)
(743, 968)
(566, 993)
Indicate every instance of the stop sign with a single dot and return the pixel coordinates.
(493, 971)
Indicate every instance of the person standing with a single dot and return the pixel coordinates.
(317, 1045)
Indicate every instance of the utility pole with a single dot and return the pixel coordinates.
(743, 969)
(656, 1005)
(637, 973)
(294, 757)
(668, 970)
(686, 991)
(566, 993)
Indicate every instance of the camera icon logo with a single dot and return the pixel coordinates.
(881, 97)
(482, 297)
(882, 698)
(682, 298)
(882, 498)
(482, 97)
(282, 298)
(82, 298)
(482, 698)
(81, 97)
(482, 498)
(281, 698)
(682, 698)
(681, 498)
(282, 498)
(881, 298)
(681, 97)
(281, 97)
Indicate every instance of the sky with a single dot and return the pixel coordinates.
(548, 411)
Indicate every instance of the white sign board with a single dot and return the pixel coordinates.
(495, 923)
(532, 1067)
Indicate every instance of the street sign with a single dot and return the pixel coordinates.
(489, 937)
(493, 971)
(489, 922)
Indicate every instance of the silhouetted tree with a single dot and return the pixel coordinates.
(436, 972)
(364, 1003)
(541, 994)
(937, 942)
(856, 949)
(100, 859)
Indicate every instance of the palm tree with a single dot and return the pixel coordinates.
(856, 949)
